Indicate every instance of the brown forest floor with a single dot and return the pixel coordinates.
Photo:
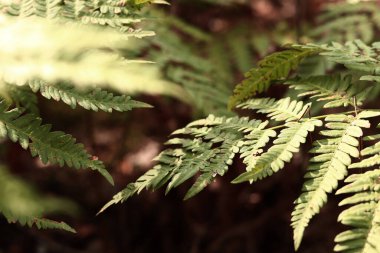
(224, 218)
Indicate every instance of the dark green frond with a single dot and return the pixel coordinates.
(51, 147)
(273, 67)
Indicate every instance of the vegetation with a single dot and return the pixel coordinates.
(328, 78)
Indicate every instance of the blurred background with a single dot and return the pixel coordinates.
(202, 48)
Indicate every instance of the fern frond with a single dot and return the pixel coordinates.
(273, 67)
(280, 110)
(287, 143)
(53, 147)
(19, 202)
(208, 150)
(363, 216)
(94, 99)
(338, 90)
(329, 165)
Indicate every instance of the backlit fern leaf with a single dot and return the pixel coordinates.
(280, 110)
(94, 99)
(337, 90)
(328, 166)
(363, 216)
(273, 67)
(51, 147)
(288, 142)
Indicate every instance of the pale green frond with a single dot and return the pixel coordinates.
(288, 142)
(51, 146)
(363, 216)
(280, 110)
(328, 166)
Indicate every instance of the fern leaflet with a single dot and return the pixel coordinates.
(53, 147)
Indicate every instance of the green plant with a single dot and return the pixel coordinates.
(206, 148)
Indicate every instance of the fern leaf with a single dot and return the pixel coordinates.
(363, 216)
(287, 143)
(338, 90)
(279, 110)
(208, 150)
(91, 100)
(273, 67)
(328, 166)
(53, 147)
